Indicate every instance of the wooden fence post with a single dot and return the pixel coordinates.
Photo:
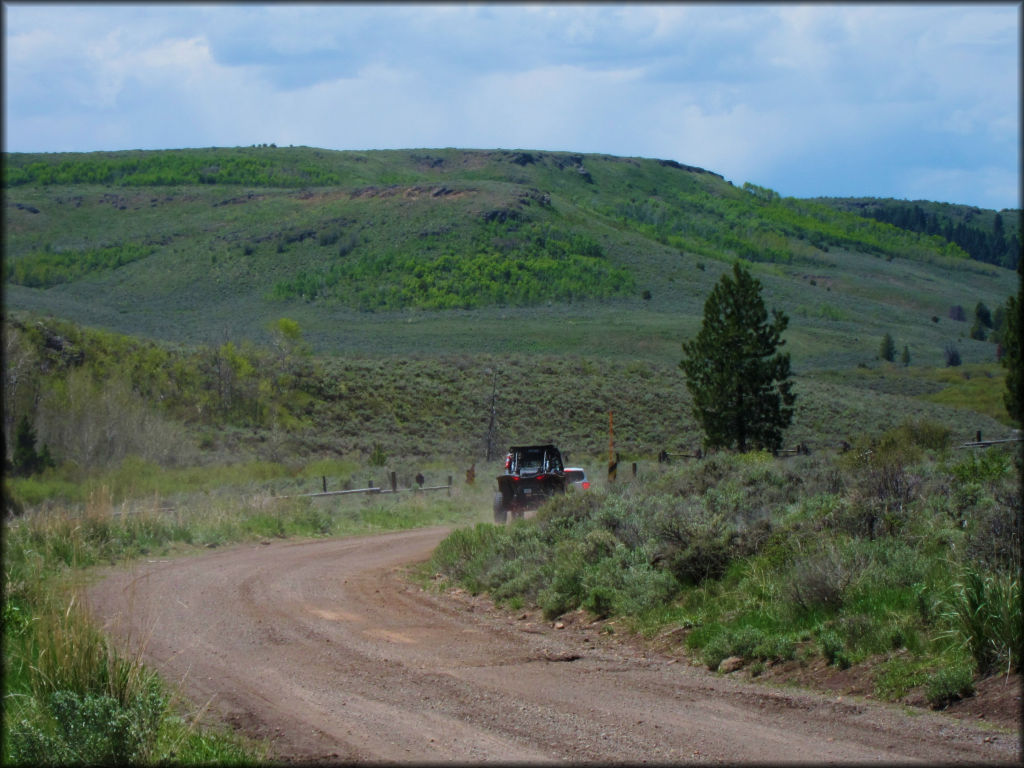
(449, 485)
(394, 483)
(324, 478)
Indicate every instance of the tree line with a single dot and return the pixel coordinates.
(992, 246)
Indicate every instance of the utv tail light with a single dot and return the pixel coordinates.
(586, 484)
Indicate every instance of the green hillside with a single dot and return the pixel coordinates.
(435, 251)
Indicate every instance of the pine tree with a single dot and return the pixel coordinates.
(905, 357)
(742, 396)
(998, 321)
(25, 459)
(888, 349)
(983, 315)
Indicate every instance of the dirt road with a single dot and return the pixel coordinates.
(326, 650)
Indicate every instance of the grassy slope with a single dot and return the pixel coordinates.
(670, 227)
(427, 407)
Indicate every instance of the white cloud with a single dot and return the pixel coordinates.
(747, 91)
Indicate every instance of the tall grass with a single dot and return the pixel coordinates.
(67, 653)
(984, 613)
(71, 696)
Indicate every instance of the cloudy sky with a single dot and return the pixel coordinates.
(908, 101)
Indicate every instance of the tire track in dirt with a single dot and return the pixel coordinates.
(324, 649)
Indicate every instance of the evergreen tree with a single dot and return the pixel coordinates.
(905, 357)
(998, 321)
(742, 396)
(888, 349)
(983, 315)
(25, 459)
(45, 458)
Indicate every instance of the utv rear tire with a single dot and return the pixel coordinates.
(500, 513)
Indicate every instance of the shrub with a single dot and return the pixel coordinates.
(716, 650)
(572, 509)
(884, 488)
(994, 534)
(856, 629)
(820, 580)
(747, 643)
(834, 649)
(315, 519)
(949, 684)
(378, 457)
(90, 729)
(645, 588)
(901, 445)
(460, 551)
(598, 544)
(601, 601)
(565, 590)
(626, 525)
(952, 355)
(896, 677)
(554, 603)
(694, 544)
(926, 434)
(990, 465)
